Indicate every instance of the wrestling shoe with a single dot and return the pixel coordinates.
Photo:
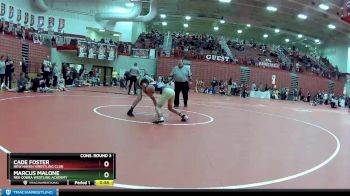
(184, 118)
(130, 113)
(159, 121)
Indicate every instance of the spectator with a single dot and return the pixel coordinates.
(56, 74)
(46, 68)
(9, 70)
(2, 71)
(229, 87)
(214, 84)
(24, 64)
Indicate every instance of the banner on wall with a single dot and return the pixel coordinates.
(51, 22)
(102, 49)
(32, 20)
(41, 21)
(3, 9)
(26, 18)
(82, 49)
(140, 53)
(111, 52)
(269, 65)
(92, 49)
(273, 79)
(19, 15)
(61, 24)
(11, 12)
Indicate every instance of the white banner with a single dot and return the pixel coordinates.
(270, 65)
(217, 58)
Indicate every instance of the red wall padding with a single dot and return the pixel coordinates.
(205, 70)
(10, 46)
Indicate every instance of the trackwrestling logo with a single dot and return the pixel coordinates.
(22, 192)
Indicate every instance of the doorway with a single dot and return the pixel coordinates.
(105, 74)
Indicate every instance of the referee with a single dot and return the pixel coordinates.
(182, 76)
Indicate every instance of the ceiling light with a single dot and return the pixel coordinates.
(164, 23)
(129, 4)
(239, 31)
(323, 6)
(188, 17)
(116, 35)
(300, 36)
(302, 16)
(102, 30)
(222, 21)
(277, 30)
(186, 25)
(163, 16)
(271, 8)
(266, 35)
(225, 1)
(216, 28)
(287, 40)
(249, 25)
(317, 40)
(331, 26)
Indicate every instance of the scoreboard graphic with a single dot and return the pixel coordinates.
(73, 169)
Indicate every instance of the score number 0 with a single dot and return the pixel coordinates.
(106, 165)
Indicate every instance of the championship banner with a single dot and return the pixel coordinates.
(26, 18)
(61, 24)
(3, 9)
(51, 22)
(41, 22)
(111, 51)
(102, 49)
(19, 15)
(11, 12)
(32, 20)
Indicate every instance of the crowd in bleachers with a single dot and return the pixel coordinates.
(189, 45)
(244, 52)
(233, 88)
(195, 46)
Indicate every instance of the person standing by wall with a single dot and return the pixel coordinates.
(56, 74)
(9, 70)
(134, 73)
(2, 71)
(47, 66)
(182, 76)
(25, 67)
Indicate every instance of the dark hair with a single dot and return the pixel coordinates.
(144, 81)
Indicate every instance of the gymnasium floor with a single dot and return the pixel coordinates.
(229, 142)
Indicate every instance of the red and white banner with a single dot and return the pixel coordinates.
(32, 20)
(51, 22)
(26, 18)
(19, 15)
(11, 12)
(3, 9)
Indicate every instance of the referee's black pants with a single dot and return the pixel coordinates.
(133, 80)
(184, 88)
